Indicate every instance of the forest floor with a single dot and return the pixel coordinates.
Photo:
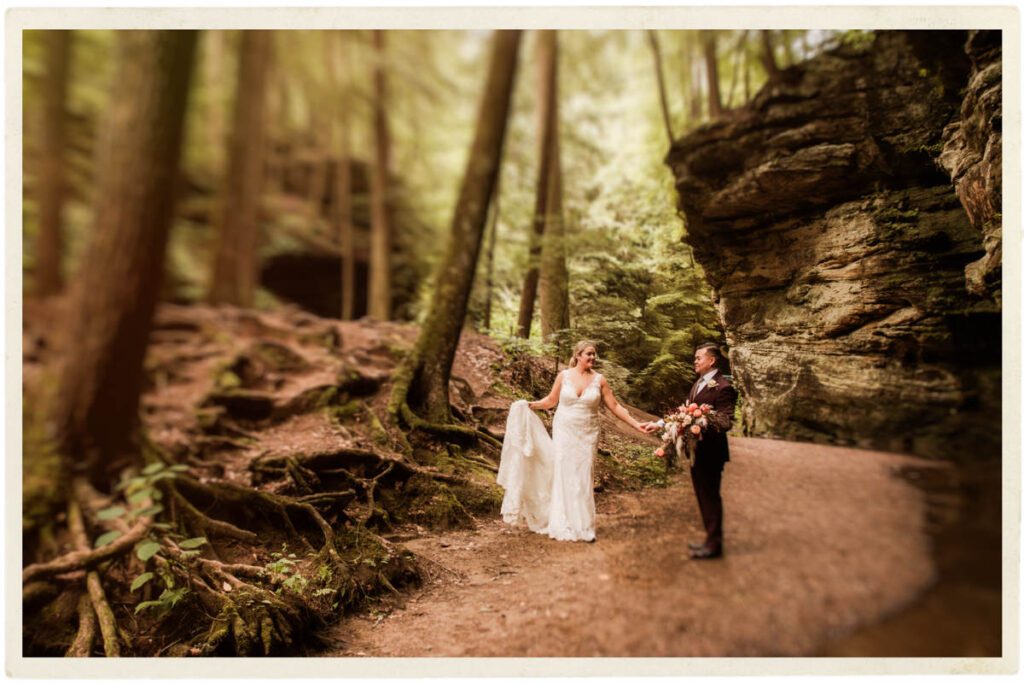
(826, 549)
(829, 551)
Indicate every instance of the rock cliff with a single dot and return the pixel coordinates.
(836, 244)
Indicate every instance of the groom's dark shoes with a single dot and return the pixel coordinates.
(704, 553)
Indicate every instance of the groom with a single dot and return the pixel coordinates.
(712, 450)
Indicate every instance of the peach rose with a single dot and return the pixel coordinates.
(660, 452)
(695, 429)
(697, 413)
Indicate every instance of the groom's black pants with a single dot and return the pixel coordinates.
(707, 484)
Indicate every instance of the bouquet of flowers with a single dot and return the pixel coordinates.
(684, 427)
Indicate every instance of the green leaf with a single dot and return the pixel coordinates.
(150, 511)
(145, 605)
(107, 538)
(178, 468)
(161, 525)
(152, 468)
(140, 580)
(190, 543)
(157, 494)
(189, 553)
(163, 475)
(147, 549)
(111, 513)
(140, 495)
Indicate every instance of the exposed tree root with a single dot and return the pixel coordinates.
(86, 636)
(100, 606)
(399, 409)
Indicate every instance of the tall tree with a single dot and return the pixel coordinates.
(554, 274)
(235, 258)
(492, 238)
(343, 178)
(696, 83)
(547, 81)
(659, 74)
(51, 178)
(213, 49)
(379, 297)
(711, 68)
(771, 68)
(738, 57)
(115, 294)
(422, 383)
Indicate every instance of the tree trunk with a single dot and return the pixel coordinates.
(696, 87)
(737, 58)
(235, 259)
(115, 294)
(711, 66)
(547, 59)
(343, 178)
(554, 275)
(771, 69)
(489, 258)
(746, 77)
(434, 352)
(659, 74)
(51, 174)
(787, 48)
(379, 303)
(214, 48)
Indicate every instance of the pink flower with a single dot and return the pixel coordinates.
(660, 452)
(695, 429)
(697, 413)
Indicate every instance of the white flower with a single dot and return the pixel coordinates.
(703, 422)
(712, 383)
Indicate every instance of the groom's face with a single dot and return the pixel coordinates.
(703, 362)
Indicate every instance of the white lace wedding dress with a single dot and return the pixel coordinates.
(548, 480)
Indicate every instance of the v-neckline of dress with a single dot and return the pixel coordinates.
(573, 385)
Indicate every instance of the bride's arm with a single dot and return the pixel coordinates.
(617, 409)
(551, 400)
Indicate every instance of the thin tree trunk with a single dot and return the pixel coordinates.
(554, 275)
(235, 259)
(547, 57)
(746, 76)
(492, 238)
(51, 171)
(379, 305)
(213, 52)
(696, 85)
(787, 48)
(711, 66)
(115, 294)
(737, 58)
(660, 75)
(343, 178)
(771, 69)
(435, 347)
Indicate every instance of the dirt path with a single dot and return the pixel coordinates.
(819, 541)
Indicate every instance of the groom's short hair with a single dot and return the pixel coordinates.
(715, 351)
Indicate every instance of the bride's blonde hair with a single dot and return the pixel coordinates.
(581, 346)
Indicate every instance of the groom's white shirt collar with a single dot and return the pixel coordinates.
(704, 380)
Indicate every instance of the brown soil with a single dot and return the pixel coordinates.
(820, 541)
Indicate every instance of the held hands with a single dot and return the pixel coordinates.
(647, 427)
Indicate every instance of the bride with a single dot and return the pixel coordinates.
(548, 480)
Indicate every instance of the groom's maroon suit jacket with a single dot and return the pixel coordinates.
(714, 446)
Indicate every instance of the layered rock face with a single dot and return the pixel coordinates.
(836, 247)
(972, 153)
